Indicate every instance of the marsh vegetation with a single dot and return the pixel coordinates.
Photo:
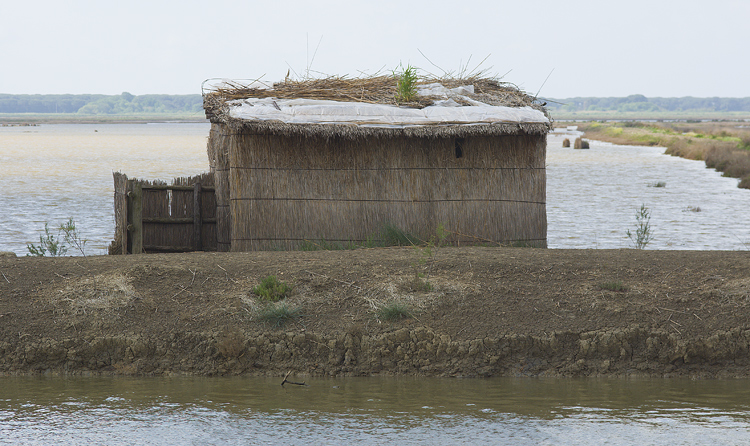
(724, 146)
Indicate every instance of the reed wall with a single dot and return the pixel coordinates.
(219, 143)
(285, 189)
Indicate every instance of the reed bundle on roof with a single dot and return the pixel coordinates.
(282, 180)
(375, 89)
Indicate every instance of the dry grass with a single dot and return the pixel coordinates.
(100, 294)
(393, 311)
(381, 89)
(733, 162)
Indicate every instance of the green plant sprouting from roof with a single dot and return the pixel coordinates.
(406, 88)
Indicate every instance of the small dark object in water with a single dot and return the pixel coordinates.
(291, 382)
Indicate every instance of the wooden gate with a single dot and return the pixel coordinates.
(152, 216)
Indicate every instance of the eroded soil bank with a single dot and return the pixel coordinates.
(491, 312)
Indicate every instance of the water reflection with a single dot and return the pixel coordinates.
(376, 409)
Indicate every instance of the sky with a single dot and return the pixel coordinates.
(559, 49)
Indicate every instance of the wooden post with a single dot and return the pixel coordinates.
(197, 221)
(135, 214)
(121, 201)
(126, 238)
(125, 216)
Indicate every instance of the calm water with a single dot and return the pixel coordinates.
(208, 411)
(593, 195)
(52, 172)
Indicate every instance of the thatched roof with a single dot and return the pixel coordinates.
(363, 107)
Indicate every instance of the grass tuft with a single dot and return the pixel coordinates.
(420, 283)
(393, 311)
(388, 235)
(278, 314)
(393, 236)
(272, 289)
(613, 286)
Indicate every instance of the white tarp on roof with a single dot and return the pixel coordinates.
(445, 111)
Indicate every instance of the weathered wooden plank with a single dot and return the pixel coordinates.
(174, 187)
(121, 210)
(176, 220)
(136, 222)
(197, 223)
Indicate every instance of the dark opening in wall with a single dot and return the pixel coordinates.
(459, 147)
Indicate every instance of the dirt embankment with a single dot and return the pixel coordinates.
(491, 311)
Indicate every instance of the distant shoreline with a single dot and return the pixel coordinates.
(20, 119)
(688, 116)
(15, 119)
(126, 107)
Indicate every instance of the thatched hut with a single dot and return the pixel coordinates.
(337, 159)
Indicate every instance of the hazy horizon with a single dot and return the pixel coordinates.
(580, 48)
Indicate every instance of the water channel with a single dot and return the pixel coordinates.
(375, 410)
(593, 195)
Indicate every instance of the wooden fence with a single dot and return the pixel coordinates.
(152, 216)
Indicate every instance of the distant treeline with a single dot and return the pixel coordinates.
(640, 103)
(99, 104)
(126, 103)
